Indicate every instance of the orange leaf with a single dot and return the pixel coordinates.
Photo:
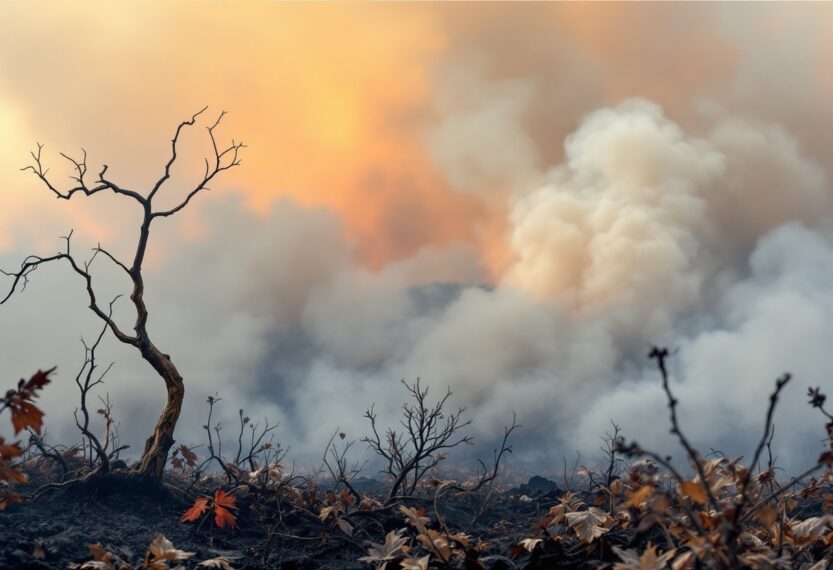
(347, 497)
(9, 450)
(639, 497)
(223, 517)
(693, 491)
(196, 511)
(11, 474)
(767, 514)
(223, 499)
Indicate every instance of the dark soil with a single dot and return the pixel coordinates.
(124, 514)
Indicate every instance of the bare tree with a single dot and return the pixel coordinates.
(427, 431)
(159, 443)
(86, 380)
(335, 461)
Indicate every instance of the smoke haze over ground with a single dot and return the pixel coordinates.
(513, 201)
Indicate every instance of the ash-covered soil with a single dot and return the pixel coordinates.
(292, 528)
(124, 515)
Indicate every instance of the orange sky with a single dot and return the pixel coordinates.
(334, 100)
(326, 98)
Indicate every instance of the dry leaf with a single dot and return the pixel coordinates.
(327, 512)
(410, 563)
(766, 514)
(347, 498)
(588, 525)
(189, 456)
(345, 526)
(38, 551)
(224, 517)
(221, 563)
(196, 511)
(163, 549)
(530, 544)
(415, 517)
(24, 413)
(809, 530)
(638, 498)
(390, 550)
(694, 492)
(648, 560)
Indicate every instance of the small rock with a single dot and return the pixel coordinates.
(538, 486)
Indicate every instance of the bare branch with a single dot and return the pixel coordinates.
(428, 430)
(99, 249)
(33, 262)
(660, 355)
(223, 160)
(335, 460)
(81, 186)
(86, 381)
(174, 141)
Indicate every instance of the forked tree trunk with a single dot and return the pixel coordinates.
(155, 455)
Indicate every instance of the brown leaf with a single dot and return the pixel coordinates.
(638, 498)
(766, 514)
(411, 563)
(648, 560)
(694, 492)
(163, 549)
(390, 550)
(98, 552)
(189, 456)
(9, 450)
(588, 524)
(415, 517)
(221, 563)
(11, 474)
(38, 381)
(26, 415)
(436, 543)
(38, 552)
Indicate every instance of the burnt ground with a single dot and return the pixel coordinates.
(124, 516)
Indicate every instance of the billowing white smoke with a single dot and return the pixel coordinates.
(778, 319)
(643, 235)
(616, 233)
(712, 244)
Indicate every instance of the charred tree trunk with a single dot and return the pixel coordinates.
(155, 455)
